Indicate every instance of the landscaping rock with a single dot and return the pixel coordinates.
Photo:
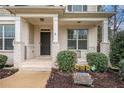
(82, 78)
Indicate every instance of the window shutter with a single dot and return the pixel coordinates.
(84, 7)
(70, 8)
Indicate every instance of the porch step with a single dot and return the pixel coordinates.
(35, 69)
(37, 64)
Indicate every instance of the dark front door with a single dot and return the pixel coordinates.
(45, 43)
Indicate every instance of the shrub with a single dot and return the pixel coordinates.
(3, 60)
(99, 60)
(121, 69)
(117, 49)
(66, 61)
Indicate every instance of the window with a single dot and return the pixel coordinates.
(77, 8)
(7, 34)
(84, 7)
(72, 35)
(77, 39)
(69, 7)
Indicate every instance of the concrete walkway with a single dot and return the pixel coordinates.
(26, 79)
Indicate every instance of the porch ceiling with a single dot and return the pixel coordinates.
(83, 23)
(40, 21)
(49, 21)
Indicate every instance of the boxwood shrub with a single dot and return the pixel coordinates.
(66, 61)
(121, 69)
(3, 60)
(99, 60)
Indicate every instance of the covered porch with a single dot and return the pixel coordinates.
(28, 45)
(29, 24)
(33, 41)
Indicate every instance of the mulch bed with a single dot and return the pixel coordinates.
(61, 80)
(108, 79)
(7, 72)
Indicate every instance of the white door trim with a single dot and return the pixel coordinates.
(50, 42)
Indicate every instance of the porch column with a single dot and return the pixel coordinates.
(105, 45)
(55, 43)
(55, 29)
(18, 44)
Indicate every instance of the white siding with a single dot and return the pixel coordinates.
(9, 54)
(4, 12)
(92, 45)
(92, 8)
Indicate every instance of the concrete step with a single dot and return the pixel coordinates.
(35, 68)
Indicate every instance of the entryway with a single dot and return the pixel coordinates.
(44, 43)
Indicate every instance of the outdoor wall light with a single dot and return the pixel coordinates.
(78, 21)
(41, 19)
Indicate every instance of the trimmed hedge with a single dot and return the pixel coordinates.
(121, 69)
(117, 49)
(66, 61)
(3, 60)
(99, 60)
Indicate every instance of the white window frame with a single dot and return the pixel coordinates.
(76, 11)
(77, 38)
(3, 37)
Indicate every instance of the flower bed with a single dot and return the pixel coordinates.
(7, 72)
(109, 79)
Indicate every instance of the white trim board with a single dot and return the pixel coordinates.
(7, 18)
(37, 15)
(82, 19)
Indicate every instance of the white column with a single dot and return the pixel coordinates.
(55, 29)
(18, 29)
(55, 42)
(18, 44)
(105, 45)
(105, 31)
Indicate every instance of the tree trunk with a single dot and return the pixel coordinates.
(115, 21)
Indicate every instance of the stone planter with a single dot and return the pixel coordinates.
(82, 78)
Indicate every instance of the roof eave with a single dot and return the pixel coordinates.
(91, 14)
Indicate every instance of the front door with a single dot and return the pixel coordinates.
(45, 43)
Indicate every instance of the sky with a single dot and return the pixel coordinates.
(120, 14)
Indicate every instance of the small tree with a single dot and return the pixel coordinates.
(117, 49)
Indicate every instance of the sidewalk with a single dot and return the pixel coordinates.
(26, 79)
